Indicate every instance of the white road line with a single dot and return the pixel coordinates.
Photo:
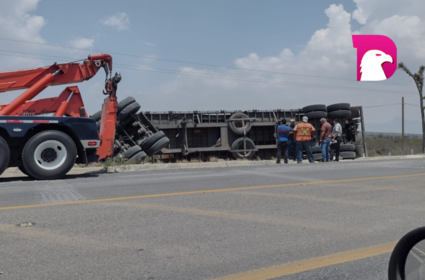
(164, 174)
(54, 193)
(180, 176)
(282, 175)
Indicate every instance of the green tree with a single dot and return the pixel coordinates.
(418, 78)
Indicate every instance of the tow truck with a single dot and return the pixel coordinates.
(45, 138)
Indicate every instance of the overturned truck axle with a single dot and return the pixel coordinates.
(135, 137)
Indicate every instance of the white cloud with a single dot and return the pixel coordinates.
(378, 10)
(119, 21)
(402, 21)
(83, 43)
(18, 23)
(330, 50)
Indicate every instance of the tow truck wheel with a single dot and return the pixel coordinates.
(5, 152)
(49, 155)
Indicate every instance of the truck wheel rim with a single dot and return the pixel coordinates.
(50, 154)
(239, 124)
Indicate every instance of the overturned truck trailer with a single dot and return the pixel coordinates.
(247, 134)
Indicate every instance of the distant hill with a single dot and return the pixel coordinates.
(373, 134)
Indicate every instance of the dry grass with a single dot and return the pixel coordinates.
(381, 145)
(213, 159)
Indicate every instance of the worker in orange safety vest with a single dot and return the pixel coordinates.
(304, 133)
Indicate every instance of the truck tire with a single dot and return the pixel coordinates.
(236, 126)
(339, 114)
(152, 140)
(359, 150)
(317, 157)
(128, 110)
(157, 147)
(347, 148)
(316, 107)
(316, 149)
(138, 157)
(49, 155)
(124, 103)
(96, 116)
(347, 155)
(132, 151)
(316, 115)
(338, 106)
(5, 155)
(238, 145)
(23, 170)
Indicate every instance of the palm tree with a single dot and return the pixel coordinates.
(418, 78)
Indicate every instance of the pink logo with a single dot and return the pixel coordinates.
(376, 57)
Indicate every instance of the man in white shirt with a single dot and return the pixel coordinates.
(336, 136)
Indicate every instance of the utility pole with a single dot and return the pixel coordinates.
(363, 132)
(402, 125)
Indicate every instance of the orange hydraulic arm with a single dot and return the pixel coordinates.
(69, 102)
(36, 80)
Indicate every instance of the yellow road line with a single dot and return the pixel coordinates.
(405, 188)
(342, 201)
(309, 264)
(206, 191)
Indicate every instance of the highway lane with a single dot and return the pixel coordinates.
(232, 223)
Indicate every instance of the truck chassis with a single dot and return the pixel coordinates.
(248, 134)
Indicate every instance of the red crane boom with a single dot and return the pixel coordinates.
(69, 102)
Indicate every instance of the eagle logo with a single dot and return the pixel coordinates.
(376, 57)
(371, 65)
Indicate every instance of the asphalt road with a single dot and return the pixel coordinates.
(311, 221)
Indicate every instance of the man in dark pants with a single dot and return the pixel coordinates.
(291, 142)
(325, 139)
(336, 138)
(304, 132)
(282, 141)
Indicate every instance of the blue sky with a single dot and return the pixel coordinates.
(211, 32)
(300, 37)
(205, 31)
